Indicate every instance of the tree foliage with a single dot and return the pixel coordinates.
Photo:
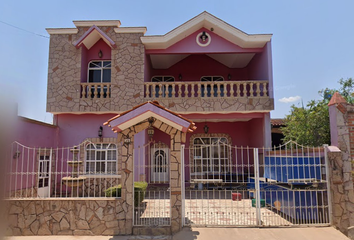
(309, 125)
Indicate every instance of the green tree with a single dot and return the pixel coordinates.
(309, 125)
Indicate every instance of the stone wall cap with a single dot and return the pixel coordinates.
(333, 149)
(336, 99)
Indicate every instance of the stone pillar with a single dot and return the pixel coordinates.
(175, 181)
(125, 153)
(340, 158)
(341, 190)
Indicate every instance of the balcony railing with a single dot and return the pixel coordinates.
(230, 89)
(95, 90)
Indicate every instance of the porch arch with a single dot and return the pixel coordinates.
(131, 122)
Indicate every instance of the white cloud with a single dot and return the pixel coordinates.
(290, 99)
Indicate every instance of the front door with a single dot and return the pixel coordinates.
(159, 165)
(44, 166)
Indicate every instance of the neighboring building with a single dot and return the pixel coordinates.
(277, 133)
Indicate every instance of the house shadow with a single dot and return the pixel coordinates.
(185, 234)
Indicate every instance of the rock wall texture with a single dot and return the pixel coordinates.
(341, 167)
(64, 73)
(67, 217)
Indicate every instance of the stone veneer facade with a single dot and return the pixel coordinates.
(127, 81)
(64, 74)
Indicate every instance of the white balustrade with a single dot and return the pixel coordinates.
(232, 89)
(95, 90)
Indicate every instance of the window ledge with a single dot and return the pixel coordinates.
(101, 175)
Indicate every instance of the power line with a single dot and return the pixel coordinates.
(23, 29)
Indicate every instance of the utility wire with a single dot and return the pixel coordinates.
(23, 29)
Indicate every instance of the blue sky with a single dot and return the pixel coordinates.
(313, 41)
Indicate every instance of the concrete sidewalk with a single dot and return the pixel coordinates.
(322, 233)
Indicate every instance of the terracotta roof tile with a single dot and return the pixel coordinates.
(277, 122)
(336, 98)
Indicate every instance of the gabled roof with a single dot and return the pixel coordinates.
(212, 23)
(91, 36)
(146, 110)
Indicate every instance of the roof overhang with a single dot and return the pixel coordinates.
(211, 22)
(62, 30)
(98, 23)
(130, 30)
(146, 110)
(91, 36)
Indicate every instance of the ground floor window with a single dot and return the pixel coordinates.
(101, 158)
(210, 155)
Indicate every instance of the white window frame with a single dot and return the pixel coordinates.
(162, 79)
(205, 157)
(212, 79)
(102, 148)
(101, 68)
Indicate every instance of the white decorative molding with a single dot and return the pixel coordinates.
(130, 30)
(203, 44)
(98, 23)
(208, 21)
(62, 30)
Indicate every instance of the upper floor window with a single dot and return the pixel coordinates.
(215, 87)
(163, 89)
(211, 79)
(162, 79)
(101, 158)
(99, 72)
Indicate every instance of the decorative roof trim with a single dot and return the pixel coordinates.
(208, 21)
(99, 23)
(62, 30)
(130, 30)
(190, 128)
(107, 39)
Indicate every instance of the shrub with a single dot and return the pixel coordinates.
(139, 192)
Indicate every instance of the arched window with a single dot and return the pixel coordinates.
(101, 158)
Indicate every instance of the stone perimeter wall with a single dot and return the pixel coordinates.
(67, 217)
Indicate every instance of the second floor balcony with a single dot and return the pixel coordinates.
(193, 89)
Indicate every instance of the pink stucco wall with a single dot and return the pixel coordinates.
(194, 67)
(92, 54)
(243, 133)
(74, 129)
(333, 124)
(217, 45)
(260, 67)
(35, 134)
(30, 135)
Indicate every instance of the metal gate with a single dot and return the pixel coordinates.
(151, 191)
(224, 185)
